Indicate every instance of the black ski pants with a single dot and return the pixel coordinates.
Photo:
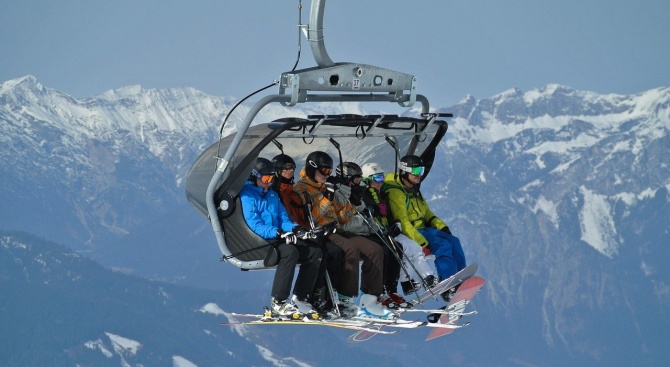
(309, 256)
(333, 262)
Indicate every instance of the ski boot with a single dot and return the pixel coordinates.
(394, 301)
(347, 307)
(370, 308)
(449, 293)
(410, 286)
(430, 281)
(306, 309)
(283, 310)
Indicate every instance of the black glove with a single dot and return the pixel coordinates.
(356, 196)
(446, 230)
(393, 230)
(336, 180)
(329, 228)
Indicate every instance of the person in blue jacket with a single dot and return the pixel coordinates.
(266, 216)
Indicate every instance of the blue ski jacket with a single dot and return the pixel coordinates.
(263, 211)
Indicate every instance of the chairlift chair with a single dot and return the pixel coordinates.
(214, 181)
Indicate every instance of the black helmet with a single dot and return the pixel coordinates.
(411, 164)
(349, 171)
(317, 160)
(263, 167)
(282, 160)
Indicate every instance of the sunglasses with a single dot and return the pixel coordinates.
(326, 171)
(377, 177)
(267, 178)
(417, 171)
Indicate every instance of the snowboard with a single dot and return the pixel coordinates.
(456, 306)
(446, 284)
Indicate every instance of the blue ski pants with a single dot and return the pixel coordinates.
(449, 256)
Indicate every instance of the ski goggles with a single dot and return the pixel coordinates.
(416, 171)
(266, 179)
(377, 177)
(288, 167)
(326, 171)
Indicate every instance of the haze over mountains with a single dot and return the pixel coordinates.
(560, 195)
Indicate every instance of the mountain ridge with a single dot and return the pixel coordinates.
(560, 195)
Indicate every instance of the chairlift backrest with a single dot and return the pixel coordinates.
(361, 137)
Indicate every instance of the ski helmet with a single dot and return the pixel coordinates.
(372, 172)
(317, 160)
(262, 168)
(349, 171)
(411, 164)
(283, 161)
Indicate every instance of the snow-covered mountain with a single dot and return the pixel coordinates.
(59, 308)
(560, 195)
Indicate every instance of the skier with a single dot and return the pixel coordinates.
(331, 208)
(418, 222)
(376, 199)
(333, 259)
(266, 216)
(348, 183)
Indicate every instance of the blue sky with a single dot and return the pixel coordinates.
(233, 47)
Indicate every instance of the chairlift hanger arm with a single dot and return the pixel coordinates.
(329, 76)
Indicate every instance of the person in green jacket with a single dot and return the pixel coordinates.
(418, 222)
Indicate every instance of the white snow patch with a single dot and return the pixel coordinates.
(240, 329)
(482, 177)
(124, 345)
(539, 161)
(548, 208)
(631, 198)
(564, 166)
(98, 344)
(212, 308)
(279, 361)
(597, 224)
(178, 361)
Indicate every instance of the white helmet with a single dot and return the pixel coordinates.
(370, 169)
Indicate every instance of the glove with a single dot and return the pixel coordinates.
(329, 228)
(329, 193)
(446, 230)
(426, 250)
(289, 237)
(336, 180)
(393, 230)
(356, 196)
(302, 232)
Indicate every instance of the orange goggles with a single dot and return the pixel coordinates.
(267, 178)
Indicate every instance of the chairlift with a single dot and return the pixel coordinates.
(214, 181)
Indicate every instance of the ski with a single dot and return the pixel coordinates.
(446, 284)
(357, 327)
(442, 311)
(363, 335)
(459, 301)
